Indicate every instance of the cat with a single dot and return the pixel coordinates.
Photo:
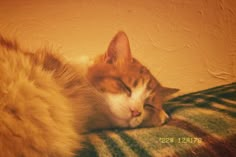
(47, 103)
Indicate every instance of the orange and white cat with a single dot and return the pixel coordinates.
(47, 103)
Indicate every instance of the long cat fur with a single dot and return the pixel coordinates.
(44, 103)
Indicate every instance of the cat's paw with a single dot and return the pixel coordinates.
(163, 117)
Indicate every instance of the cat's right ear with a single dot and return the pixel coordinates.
(118, 50)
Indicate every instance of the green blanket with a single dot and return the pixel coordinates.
(203, 124)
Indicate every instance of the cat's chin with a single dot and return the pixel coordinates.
(127, 123)
(135, 122)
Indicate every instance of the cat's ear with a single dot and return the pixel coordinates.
(118, 50)
(166, 91)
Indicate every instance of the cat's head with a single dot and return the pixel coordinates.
(133, 94)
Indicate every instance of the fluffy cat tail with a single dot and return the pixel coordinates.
(35, 117)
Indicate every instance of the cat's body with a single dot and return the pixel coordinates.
(46, 103)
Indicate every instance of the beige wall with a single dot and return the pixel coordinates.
(189, 44)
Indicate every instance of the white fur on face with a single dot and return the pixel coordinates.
(121, 105)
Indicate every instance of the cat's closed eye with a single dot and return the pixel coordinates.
(149, 107)
(126, 88)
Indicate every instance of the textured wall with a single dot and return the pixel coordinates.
(189, 44)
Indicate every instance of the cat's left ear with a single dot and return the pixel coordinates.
(166, 91)
(118, 50)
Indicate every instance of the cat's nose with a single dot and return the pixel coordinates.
(135, 113)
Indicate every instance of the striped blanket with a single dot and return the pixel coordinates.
(203, 124)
